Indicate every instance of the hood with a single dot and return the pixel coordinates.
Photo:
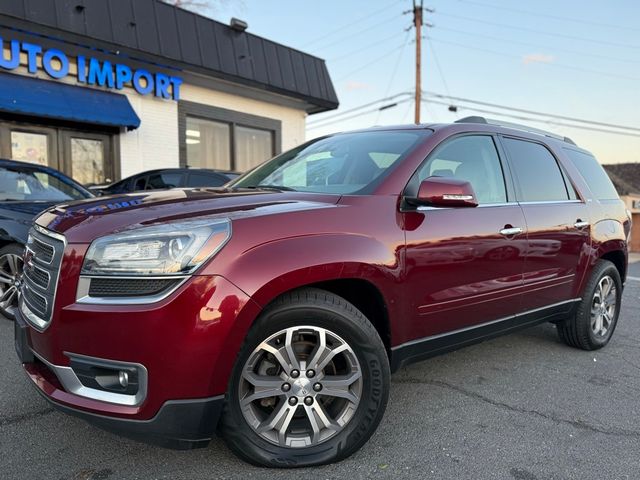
(85, 220)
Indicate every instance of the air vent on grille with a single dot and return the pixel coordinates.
(130, 287)
(42, 268)
(42, 250)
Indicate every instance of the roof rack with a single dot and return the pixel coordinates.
(516, 126)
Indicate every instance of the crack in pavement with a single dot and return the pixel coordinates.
(505, 406)
(23, 417)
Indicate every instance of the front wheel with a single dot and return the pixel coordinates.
(310, 385)
(597, 314)
(10, 273)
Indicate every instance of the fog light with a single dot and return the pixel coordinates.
(123, 378)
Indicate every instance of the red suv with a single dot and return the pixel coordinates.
(274, 310)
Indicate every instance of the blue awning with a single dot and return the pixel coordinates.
(43, 98)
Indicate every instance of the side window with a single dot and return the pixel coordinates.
(538, 174)
(140, 184)
(593, 173)
(473, 158)
(164, 180)
(204, 180)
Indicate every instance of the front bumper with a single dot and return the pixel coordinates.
(187, 343)
(179, 424)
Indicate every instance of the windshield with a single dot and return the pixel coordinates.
(32, 186)
(340, 164)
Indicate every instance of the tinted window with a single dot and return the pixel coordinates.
(471, 158)
(140, 183)
(32, 186)
(164, 180)
(344, 164)
(537, 171)
(593, 174)
(205, 180)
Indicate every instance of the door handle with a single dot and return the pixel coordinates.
(510, 231)
(580, 224)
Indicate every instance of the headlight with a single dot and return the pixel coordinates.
(169, 249)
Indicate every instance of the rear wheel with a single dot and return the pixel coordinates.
(310, 384)
(10, 273)
(597, 315)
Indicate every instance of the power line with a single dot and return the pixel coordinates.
(360, 107)
(356, 115)
(350, 24)
(368, 64)
(362, 49)
(394, 71)
(537, 120)
(532, 112)
(542, 32)
(546, 15)
(437, 62)
(550, 64)
(356, 33)
(509, 40)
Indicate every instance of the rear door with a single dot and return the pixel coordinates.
(557, 220)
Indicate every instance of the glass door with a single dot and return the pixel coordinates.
(88, 157)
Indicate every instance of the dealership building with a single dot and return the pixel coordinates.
(102, 89)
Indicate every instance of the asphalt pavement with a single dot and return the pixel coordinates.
(521, 407)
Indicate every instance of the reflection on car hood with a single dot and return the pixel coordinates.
(85, 220)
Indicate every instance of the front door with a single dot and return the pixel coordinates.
(557, 222)
(464, 266)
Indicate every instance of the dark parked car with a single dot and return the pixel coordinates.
(26, 190)
(166, 178)
(274, 310)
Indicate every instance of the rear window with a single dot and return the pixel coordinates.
(593, 173)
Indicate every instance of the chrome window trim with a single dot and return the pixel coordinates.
(424, 208)
(71, 383)
(549, 202)
(84, 283)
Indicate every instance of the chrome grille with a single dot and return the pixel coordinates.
(43, 257)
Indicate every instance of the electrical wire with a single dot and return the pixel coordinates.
(550, 64)
(531, 119)
(518, 42)
(351, 23)
(360, 107)
(362, 49)
(394, 71)
(356, 115)
(530, 112)
(541, 32)
(368, 64)
(546, 15)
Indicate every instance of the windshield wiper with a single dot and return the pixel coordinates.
(272, 187)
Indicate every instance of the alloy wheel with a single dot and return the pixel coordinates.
(603, 307)
(300, 387)
(10, 273)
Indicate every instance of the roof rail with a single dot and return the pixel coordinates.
(516, 126)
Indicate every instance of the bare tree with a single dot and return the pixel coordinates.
(200, 6)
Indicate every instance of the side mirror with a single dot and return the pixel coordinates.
(446, 192)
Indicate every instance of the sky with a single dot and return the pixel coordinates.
(573, 58)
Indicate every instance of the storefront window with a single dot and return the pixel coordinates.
(253, 146)
(30, 147)
(208, 144)
(88, 162)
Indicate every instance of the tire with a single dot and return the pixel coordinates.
(354, 410)
(10, 271)
(583, 330)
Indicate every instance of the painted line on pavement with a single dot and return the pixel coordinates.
(635, 279)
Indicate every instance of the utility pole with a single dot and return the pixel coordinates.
(417, 23)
